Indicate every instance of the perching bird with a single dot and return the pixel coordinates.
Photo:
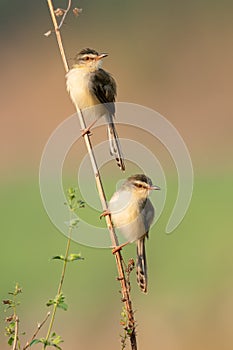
(132, 213)
(91, 86)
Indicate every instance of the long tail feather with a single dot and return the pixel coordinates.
(141, 265)
(115, 148)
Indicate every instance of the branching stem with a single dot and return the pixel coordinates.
(58, 34)
(65, 13)
(39, 326)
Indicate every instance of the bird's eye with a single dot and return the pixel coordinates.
(86, 58)
(139, 185)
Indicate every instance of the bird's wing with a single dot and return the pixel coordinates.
(148, 215)
(103, 86)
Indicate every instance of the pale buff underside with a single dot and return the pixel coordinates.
(78, 87)
(127, 217)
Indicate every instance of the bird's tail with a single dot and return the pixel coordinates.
(141, 266)
(115, 147)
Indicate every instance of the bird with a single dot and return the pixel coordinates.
(132, 213)
(91, 86)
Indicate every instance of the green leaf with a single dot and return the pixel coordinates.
(57, 339)
(36, 341)
(10, 340)
(63, 306)
(60, 299)
(71, 192)
(73, 257)
(54, 340)
(51, 302)
(58, 257)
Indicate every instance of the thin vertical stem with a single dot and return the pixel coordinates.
(16, 335)
(59, 288)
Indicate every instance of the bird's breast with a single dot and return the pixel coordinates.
(126, 215)
(77, 82)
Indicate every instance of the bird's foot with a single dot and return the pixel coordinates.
(86, 131)
(119, 247)
(105, 213)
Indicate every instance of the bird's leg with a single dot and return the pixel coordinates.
(88, 129)
(119, 247)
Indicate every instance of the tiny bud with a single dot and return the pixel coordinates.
(10, 318)
(77, 11)
(48, 33)
(59, 12)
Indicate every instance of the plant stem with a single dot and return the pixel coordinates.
(40, 325)
(58, 34)
(65, 13)
(16, 332)
(16, 320)
(59, 288)
(118, 257)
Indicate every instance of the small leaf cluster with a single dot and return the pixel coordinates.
(74, 204)
(127, 329)
(72, 201)
(12, 319)
(59, 300)
(10, 329)
(124, 321)
(13, 303)
(54, 340)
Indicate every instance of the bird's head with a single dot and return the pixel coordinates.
(140, 185)
(89, 58)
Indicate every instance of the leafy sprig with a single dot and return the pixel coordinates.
(52, 339)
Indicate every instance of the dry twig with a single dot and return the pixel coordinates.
(39, 326)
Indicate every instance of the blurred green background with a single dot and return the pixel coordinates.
(175, 57)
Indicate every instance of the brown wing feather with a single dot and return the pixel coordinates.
(103, 86)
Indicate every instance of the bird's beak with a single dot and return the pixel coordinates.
(102, 55)
(153, 187)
